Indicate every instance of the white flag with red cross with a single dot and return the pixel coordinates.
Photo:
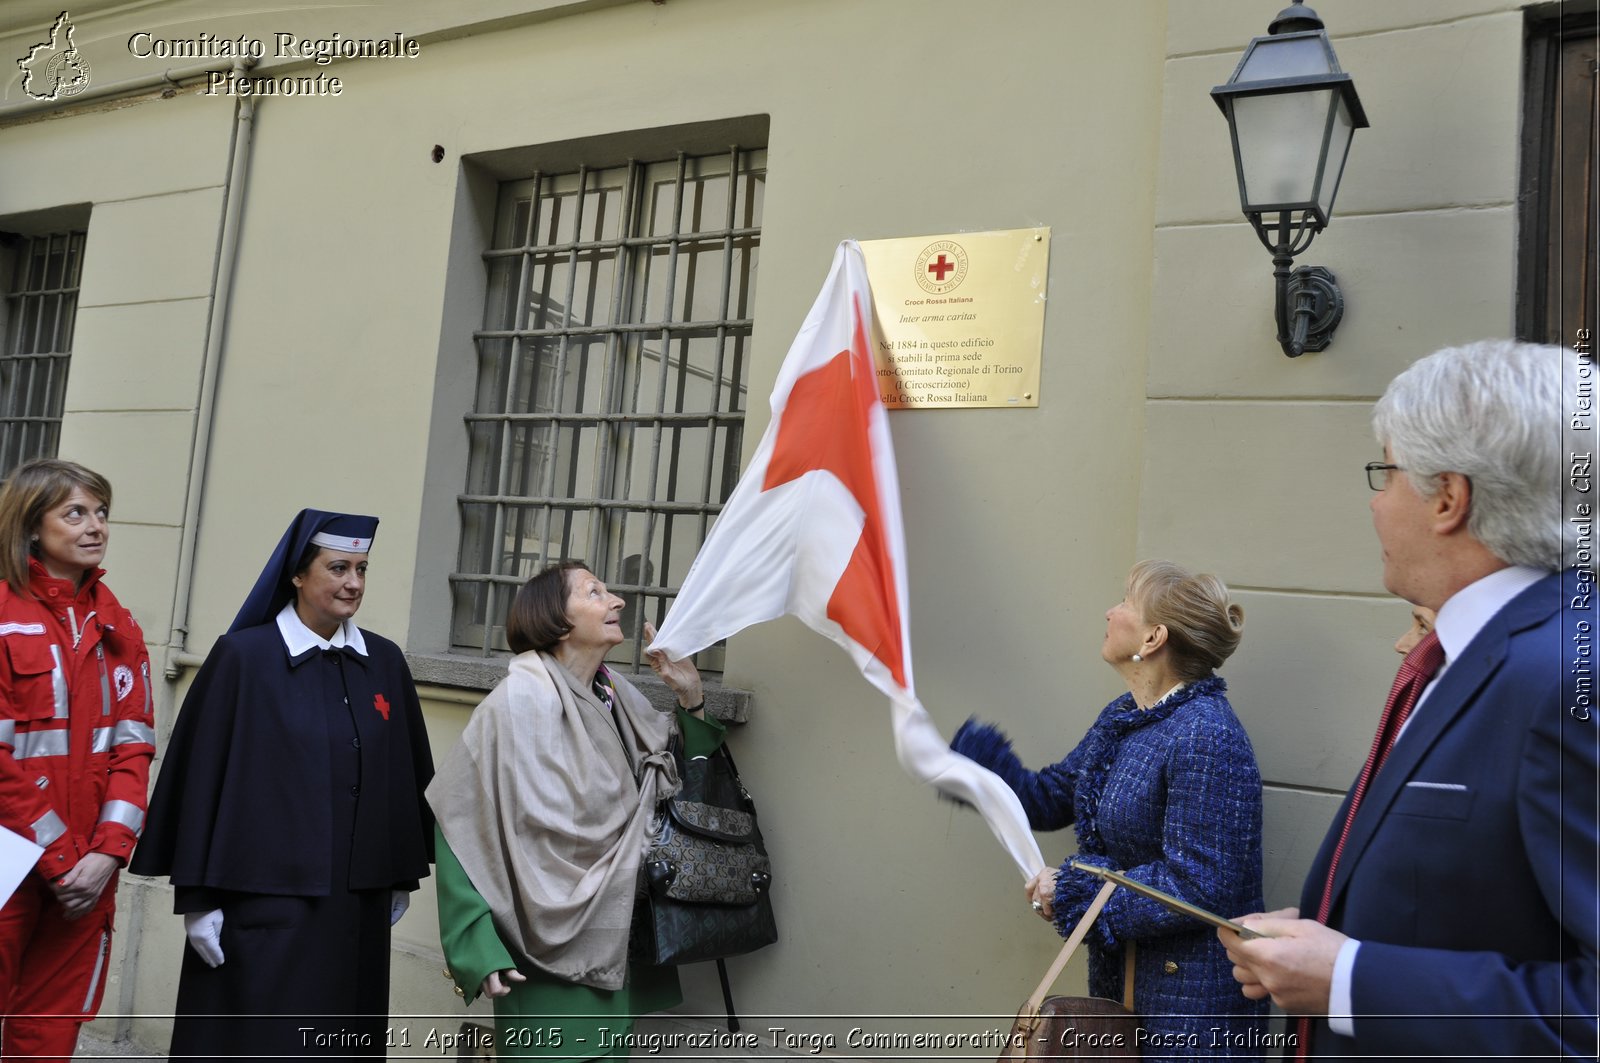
(813, 529)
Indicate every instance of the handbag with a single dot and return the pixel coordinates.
(707, 874)
(1076, 1027)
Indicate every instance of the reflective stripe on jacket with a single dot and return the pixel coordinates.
(76, 727)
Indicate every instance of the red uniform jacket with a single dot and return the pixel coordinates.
(76, 726)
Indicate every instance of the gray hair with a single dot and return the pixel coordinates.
(1491, 411)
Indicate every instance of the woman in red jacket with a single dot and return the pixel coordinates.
(76, 738)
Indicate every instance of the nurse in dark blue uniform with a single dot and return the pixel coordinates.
(289, 812)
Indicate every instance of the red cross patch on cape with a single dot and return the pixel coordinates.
(381, 703)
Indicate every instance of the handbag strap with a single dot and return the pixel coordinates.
(1036, 1001)
(744, 794)
(727, 754)
(1128, 952)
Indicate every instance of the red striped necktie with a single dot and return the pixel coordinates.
(1416, 672)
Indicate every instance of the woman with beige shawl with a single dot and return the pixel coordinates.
(544, 810)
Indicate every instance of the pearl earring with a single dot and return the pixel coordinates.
(1137, 657)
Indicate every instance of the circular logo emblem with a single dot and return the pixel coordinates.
(941, 267)
(123, 677)
(68, 72)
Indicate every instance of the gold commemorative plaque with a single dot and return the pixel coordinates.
(960, 318)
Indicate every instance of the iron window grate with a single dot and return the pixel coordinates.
(41, 307)
(612, 366)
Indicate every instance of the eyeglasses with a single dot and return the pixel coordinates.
(1378, 474)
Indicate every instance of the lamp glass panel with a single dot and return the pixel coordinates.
(1338, 147)
(1278, 57)
(1280, 140)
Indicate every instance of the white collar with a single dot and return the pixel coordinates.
(1472, 607)
(300, 638)
(1181, 684)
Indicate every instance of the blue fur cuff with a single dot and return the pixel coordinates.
(1075, 890)
(983, 743)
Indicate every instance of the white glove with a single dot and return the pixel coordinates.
(399, 901)
(205, 935)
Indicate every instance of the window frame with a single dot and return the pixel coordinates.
(1547, 30)
(432, 649)
(30, 422)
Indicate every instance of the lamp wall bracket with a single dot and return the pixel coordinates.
(1310, 306)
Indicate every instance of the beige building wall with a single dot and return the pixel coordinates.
(1252, 461)
(1169, 422)
(153, 179)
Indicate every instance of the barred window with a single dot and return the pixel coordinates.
(39, 275)
(612, 366)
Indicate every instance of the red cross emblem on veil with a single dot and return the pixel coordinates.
(381, 703)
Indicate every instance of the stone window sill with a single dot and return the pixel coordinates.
(728, 704)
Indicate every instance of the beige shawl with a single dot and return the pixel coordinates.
(539, 803)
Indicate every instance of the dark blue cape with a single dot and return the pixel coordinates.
(244, 800)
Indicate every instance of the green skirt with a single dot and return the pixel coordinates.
(548, 1019)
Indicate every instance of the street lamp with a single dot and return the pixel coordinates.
(1291, 112)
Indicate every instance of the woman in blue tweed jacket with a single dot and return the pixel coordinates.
(1165, 787)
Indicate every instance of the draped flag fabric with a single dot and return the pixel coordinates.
(813, 529)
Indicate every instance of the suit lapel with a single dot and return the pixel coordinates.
(1453, 695)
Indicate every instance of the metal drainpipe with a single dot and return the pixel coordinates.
(216, 328)
(177, 656)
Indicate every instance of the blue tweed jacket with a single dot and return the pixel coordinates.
(1172, 796)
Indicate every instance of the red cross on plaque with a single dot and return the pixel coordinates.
(940, 266)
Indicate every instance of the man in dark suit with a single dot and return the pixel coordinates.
(1459, 902)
